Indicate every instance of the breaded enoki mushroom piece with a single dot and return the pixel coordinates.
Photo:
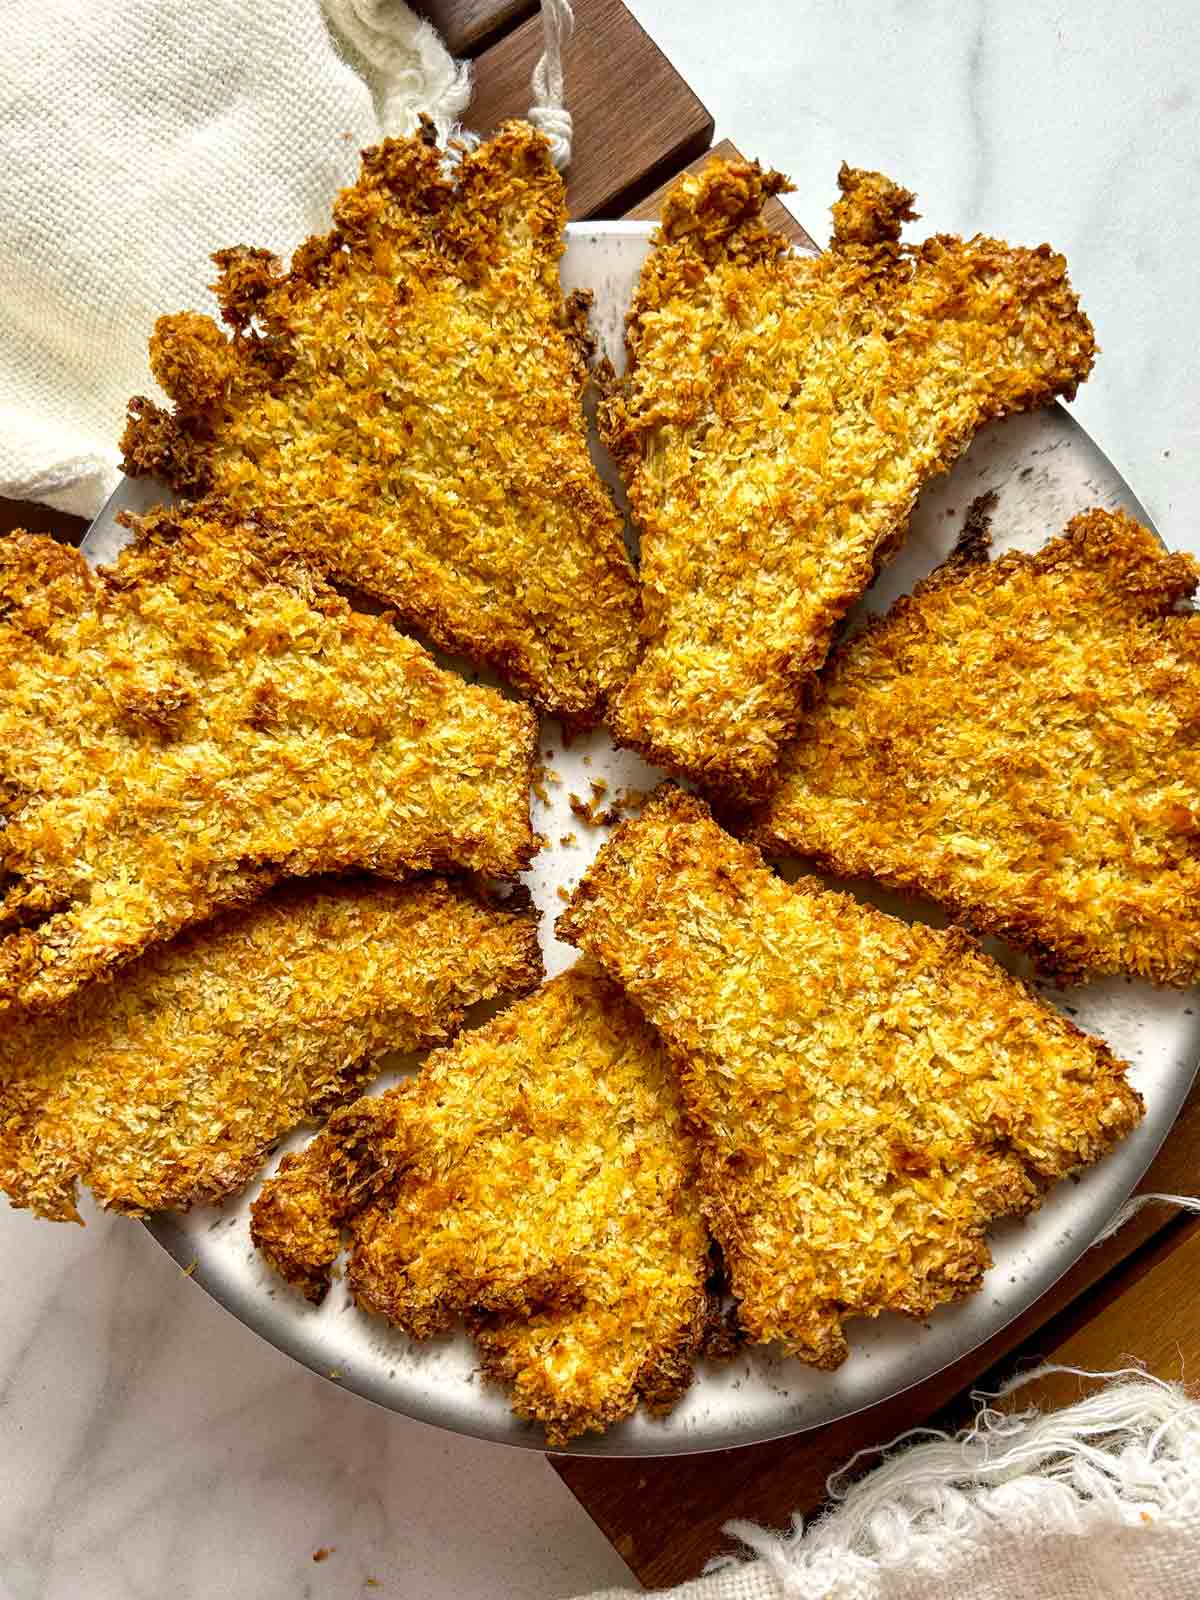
(1017, 740)
(407, 399)
(779, 417)
(535, 1177)
(180, 730)
(165, 1089)
(868, 1095)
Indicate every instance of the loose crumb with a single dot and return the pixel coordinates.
(588, 812)
(324, 1552)
(563, 894)
(568, 838)
(191, 1266)
(542, 776)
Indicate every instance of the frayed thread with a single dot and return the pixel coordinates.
(1135, 1203)
(404, 63)
(1126, 1455)
(411, 74)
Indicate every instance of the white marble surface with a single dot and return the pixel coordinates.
(152, 1446)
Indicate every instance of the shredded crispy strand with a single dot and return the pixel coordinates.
(779, 417)
(869, 1094)
(1019, 740)
(179, 731)
(535, 1177)
(165, 1089)
(407, 400)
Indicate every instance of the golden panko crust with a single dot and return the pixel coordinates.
(180, 730)
(1018, 740)
(407, 400)
(778, 419)
(165, 1089)
(869, 1095)
(536, 1178)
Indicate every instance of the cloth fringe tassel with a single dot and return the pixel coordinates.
(1127, 1455)
(411, 73)
(1135, 1203)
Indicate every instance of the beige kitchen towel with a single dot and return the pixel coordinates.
(137, 136)
(1098, 1501)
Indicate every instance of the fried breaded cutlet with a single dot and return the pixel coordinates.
(869, 1095)
(535, 1178)
(1020, 740)
(165, 1089)
(407, 400)
(180, 730)
(779, 417)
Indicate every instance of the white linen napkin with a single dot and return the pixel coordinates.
(1097, 1501)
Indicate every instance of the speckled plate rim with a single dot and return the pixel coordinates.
(438, 1385)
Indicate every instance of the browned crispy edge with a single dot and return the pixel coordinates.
(1031, 934)
(957, 943)
(172, 445)
(868, 222)
(663, 1379)
(269, 555)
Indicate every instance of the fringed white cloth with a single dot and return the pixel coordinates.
(1138, 1202)
(141, 135)
(1097, 1501)
(404, 63)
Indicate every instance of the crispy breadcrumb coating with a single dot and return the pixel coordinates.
(535, 1177)
(779, 417)
(180, 730)
(407, 400)
(1018, 740)
(869, 1095)
(166, 1088)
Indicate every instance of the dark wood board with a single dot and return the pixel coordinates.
(775, 214)
(1143, 1312)
(469, 26)
(35, 518)
(636, 122)
(665, 1517)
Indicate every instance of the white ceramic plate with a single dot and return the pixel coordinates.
(1044, 468)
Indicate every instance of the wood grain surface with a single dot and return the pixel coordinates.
(636, 121)
(1143, 1315)
(775, 214)
(665, 1517)
(469, 26)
